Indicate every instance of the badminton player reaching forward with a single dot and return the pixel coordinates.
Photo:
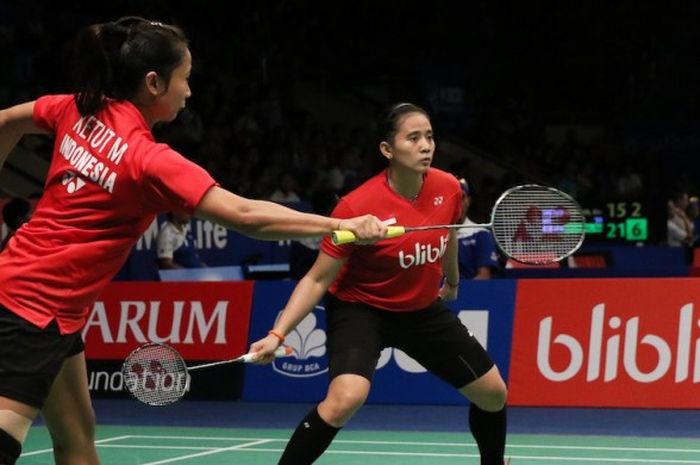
(390, 294)
(107, 180)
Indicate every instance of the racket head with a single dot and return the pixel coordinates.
(155, 374)
(537, 225)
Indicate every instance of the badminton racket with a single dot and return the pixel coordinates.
(530, 223)
(156, 374)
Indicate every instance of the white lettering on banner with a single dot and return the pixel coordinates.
(98, 317)
(174, 336)
(611, 354)
(149, 237)
(207, 235)
(477, 321)
(135, 316)
(127, 321)
(210, 235)
(423, 253)
(106, 381)
(217, 316)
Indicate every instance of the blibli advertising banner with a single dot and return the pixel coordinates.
(486, 308)
(202, 321)
(607, 343)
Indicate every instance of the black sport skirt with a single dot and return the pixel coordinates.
(433, 336)
(31, 357)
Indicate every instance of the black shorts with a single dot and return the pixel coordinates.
(31, 357)
(433, 336)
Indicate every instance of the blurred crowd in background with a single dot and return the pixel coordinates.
(600, 101)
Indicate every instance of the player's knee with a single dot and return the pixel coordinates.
(10, 448)
(494, 400)
(344, 402)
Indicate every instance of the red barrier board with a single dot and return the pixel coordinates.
(202, 320)
(606, 343)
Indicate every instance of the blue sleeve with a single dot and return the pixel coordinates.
(485, 250)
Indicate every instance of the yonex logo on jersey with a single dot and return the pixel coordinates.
(72, 182)
(437, 200)
(423, 253)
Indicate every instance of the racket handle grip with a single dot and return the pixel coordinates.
(344, 236)
(282, 351)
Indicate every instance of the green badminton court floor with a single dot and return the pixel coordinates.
(127, 445)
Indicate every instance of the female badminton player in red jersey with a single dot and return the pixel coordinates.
(107, 180)
(390, 295)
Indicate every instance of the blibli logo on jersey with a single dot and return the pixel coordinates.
(309, 345)
(423, 253)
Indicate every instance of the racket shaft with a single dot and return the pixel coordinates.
(281, 351)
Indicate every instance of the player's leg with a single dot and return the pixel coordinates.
(353, 351)
(15, 421)
(30, 357)
(487, 415)
(68, 413)
(438, 340)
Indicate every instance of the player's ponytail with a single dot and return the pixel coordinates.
(96, 56)
(110, 60)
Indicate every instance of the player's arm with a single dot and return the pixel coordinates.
(306, 295)
(483, 272)
(270, 221)
(450, 268)
(14, 123)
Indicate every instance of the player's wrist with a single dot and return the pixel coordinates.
(278, 334)
(452, 284)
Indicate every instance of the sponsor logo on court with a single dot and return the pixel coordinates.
(580, 343)
(308, 342)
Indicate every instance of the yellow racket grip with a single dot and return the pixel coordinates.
(344, 236)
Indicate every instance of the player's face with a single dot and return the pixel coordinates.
(178, 89)
(414, 146)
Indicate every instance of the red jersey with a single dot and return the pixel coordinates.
(107, 180)
(402, 273)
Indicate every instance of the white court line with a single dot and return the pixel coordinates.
(134, 446)
(210, 452)
(439, 444)
(100, 441)
(523, 457)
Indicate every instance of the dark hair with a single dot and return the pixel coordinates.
(15, 212)
(390, 125)
(110, 60)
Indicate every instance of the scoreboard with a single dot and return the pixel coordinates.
(624, 221)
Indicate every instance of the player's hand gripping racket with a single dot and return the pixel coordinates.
(156, 374)
(531, 224)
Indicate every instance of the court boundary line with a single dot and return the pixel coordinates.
(419, 443)
(99, 441)
(210, 452)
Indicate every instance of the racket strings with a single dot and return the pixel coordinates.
(537, 225)
(156, 375)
